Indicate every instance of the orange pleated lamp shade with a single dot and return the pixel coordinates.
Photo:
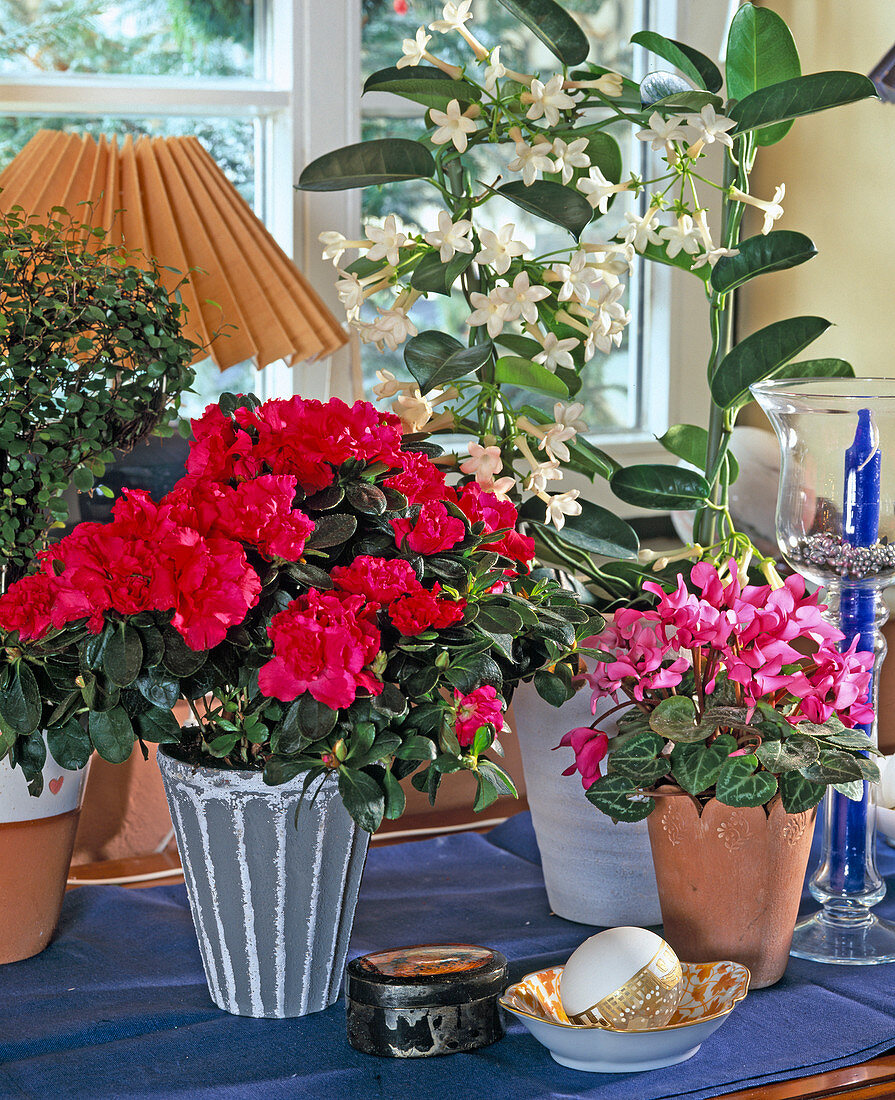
(166, 197)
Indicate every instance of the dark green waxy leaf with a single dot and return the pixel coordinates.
(157, 725)
(675, 719)
(368, 163)
(69, 744)
(639, 758)
(661, 85)
(551, 201)
(390, 701)
(687, 101)
(693, 64)
(739, 784)
(761, 355)
(20, 705)
(554, 26)
(31, 755)
(496, 619)
(123, 654)
(94, 648)
(315, 719)
(416, 747)
(612, 794)
(798, 793)
(153, 646)
(278, 770)
(325, 499)
(179, 658)
(64, 710)
(222, 745)
(426, 354)
(759, 255)
(395, 799)
(159, 688)
(689, 442)
(553, 689)
(363, 797)
(657, 486)
(423, 84)
(331, 530)
(383, 746)
(789, 754)
(82, 479)
(696, 767)
(816, 368)
(365, 498)
(112, 734)
(431, 276)
(760, 51)
(596, 530)
(492, 783)
(510, 370)
(803, 96)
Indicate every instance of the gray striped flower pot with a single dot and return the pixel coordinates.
(272, 879)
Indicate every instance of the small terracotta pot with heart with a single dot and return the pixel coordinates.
(730, 880)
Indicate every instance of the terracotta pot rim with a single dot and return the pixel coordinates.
(768, 807)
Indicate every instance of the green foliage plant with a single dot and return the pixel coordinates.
(537, 321)
(92, 359)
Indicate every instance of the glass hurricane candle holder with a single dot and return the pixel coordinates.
(836, 526)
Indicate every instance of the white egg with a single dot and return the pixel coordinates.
(600, 968)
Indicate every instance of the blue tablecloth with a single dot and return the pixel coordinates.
(117, 1006)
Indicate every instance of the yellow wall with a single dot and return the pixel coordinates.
(839, 171)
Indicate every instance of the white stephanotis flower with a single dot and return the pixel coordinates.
(387, 240)
(711, 255)
(334, 245)
(598, 190)
(450, 237)
(556, 352)
(641, 231)
(395, 326)
(498, 249)
(494, 71)
(521, 298)
(771, 209)
(680, 237)
(531, 159)
(569, 156)
(579, 280)
(414, 49)
(710, 127)
(484, 462)
(388, 385)
(351, 294)
(541, 473)
(567, 424)
(489, 309)
(453, 17)
(547, 100)
(500, 488)
(560, 505)
(662, 132)
(453, 125)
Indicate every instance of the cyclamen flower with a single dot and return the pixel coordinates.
(590, 747)
(639, 647)
(324, 643)
(424, 609)
(481, 707)
(433, 530)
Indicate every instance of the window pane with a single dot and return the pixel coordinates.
(203, 38)
(610, 384)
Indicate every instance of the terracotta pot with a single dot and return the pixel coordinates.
(730, 881)
(36, 840)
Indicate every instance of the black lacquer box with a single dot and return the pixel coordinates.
(413, 1002)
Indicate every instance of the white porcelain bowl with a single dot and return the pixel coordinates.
(711, 990)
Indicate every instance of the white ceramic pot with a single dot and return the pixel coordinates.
(272, 875)
(37, 836)
(596, 872)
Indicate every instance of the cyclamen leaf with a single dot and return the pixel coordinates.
(798, 793)
(739, 784)
(614, 795)
(696, 767)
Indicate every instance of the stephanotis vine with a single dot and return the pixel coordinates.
(317, 592)
(535, 322)
(723, 690)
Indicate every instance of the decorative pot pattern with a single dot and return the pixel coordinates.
(730, 881)
(596, 872)
(272, 877)
(37, 836)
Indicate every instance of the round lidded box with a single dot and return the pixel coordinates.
(414, 1002)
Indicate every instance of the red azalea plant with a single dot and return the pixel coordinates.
(731, 691)
(316, 591)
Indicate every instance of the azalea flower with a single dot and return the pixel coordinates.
(556, 352)
(662, 133)
(521, 298)
(450, 237)
(569, 156)
(498, 249)
(598, 190)
(531, 159)
(387, 241)
(484, 462)
(490, 309)
(452, 125)
(560, 505)
(772, 210)
(681, 237)
(710, 127)
(547, 100)
(414, 49)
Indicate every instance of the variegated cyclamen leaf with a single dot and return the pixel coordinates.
(739, 784)
(614, 795)
(696, 767)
